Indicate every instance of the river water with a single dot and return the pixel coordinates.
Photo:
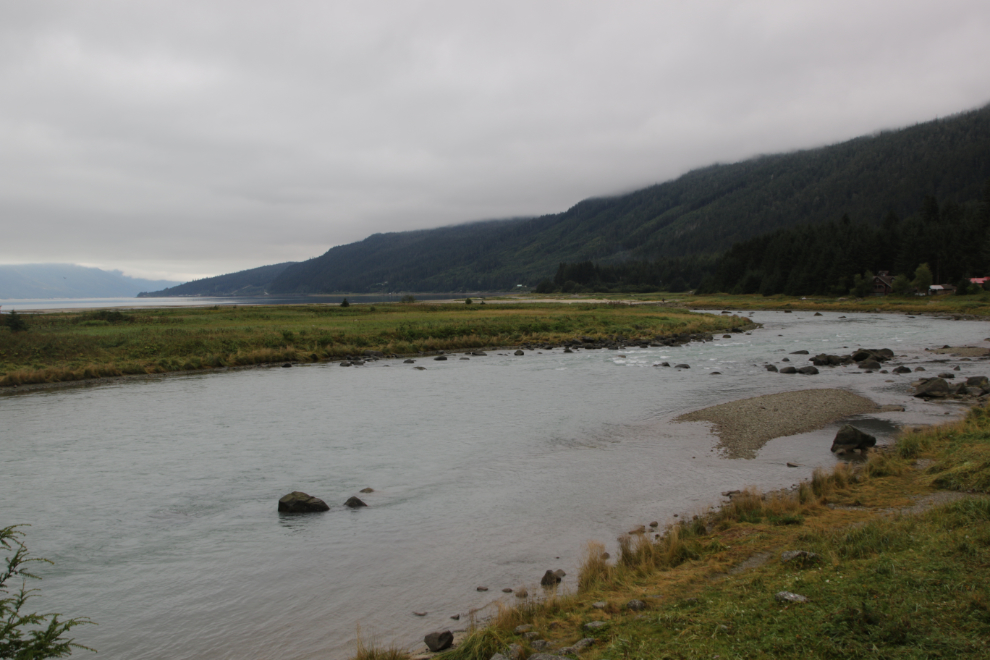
(157, 499)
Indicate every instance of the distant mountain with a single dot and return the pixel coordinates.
(703, 212)
(70, 281)
(253, 282)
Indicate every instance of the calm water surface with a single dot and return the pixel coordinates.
(157, 499)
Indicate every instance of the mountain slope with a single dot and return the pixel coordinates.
(70, 281)
(702, 212)
(250, 282)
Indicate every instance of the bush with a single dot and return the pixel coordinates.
(28, 636)
(345, 303)
(15, 322)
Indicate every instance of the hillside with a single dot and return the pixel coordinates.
(702, 212)
(250, 282)
(70, 281)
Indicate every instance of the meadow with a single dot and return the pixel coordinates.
(73, 346)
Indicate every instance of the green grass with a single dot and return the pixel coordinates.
(883, 585)
(82, 345)
(975, 305)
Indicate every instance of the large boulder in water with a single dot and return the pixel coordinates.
(933, 388)
(849, 438)
(299, 502)
(354, 503)
(549, 579)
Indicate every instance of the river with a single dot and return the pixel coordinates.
(157, 499)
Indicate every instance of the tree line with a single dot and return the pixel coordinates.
(950, 240)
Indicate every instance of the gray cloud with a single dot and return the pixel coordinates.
(177, 139)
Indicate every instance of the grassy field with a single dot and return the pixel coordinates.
(892, 577)
(81, 345)
(973, 305)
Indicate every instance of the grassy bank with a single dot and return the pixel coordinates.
(901, 545)
(81, 345)
(970, 305)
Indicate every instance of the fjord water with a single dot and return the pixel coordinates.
(157, 499)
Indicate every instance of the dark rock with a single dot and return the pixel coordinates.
(540, 645)
(978, 381)
(299, 502)
(409, 361)
(345, 363)
(420, 613)
(440, 357)
(793, 465)
(479, 354)
(726, 336)
(354, 503)
(682, 366)
(802, 352)
(367, 490)
(869, 364)
(507, 590)
(786, 360)
(439, 641)
(947, 374)
(715, 373)
(456, 617)
(665, 364)
(549, 579)
(919, 368)
(482, 588)
(357, 363)
(902, 370)
(287, 365)
(770, 367)
(818, 313)
(519, 353)
(849, 438)
(788, 370)
(932, 388)
(420, 368)
(635, 605)
(808, 371)
(560, 573)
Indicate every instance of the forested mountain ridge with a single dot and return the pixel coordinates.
(250, 282)
(705, 211)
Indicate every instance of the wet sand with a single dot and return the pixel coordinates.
(744, 426)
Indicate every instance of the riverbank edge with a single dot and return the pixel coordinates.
(738, 545)
(292, 356)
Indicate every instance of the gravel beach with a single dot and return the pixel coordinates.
(744, 426)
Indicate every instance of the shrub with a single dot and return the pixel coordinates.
(15, 322)
(24, 635)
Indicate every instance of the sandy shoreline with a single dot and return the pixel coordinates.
(745, 425)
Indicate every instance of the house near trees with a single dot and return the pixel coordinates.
(883, 283)
(941, 289)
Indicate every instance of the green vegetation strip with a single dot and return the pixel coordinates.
(900, 547)
(62, 347)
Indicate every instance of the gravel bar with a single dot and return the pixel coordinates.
(744, 426)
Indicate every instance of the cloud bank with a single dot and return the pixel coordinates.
(183, 139)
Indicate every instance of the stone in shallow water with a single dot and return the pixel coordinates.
(299, 502)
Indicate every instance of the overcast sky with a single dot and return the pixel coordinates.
(183, 139)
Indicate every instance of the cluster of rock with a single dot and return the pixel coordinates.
(939, 387)
(865, 358)
(300, 502)
(366, 356)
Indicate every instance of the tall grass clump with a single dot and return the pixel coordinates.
(595, 571)
(372, 651)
